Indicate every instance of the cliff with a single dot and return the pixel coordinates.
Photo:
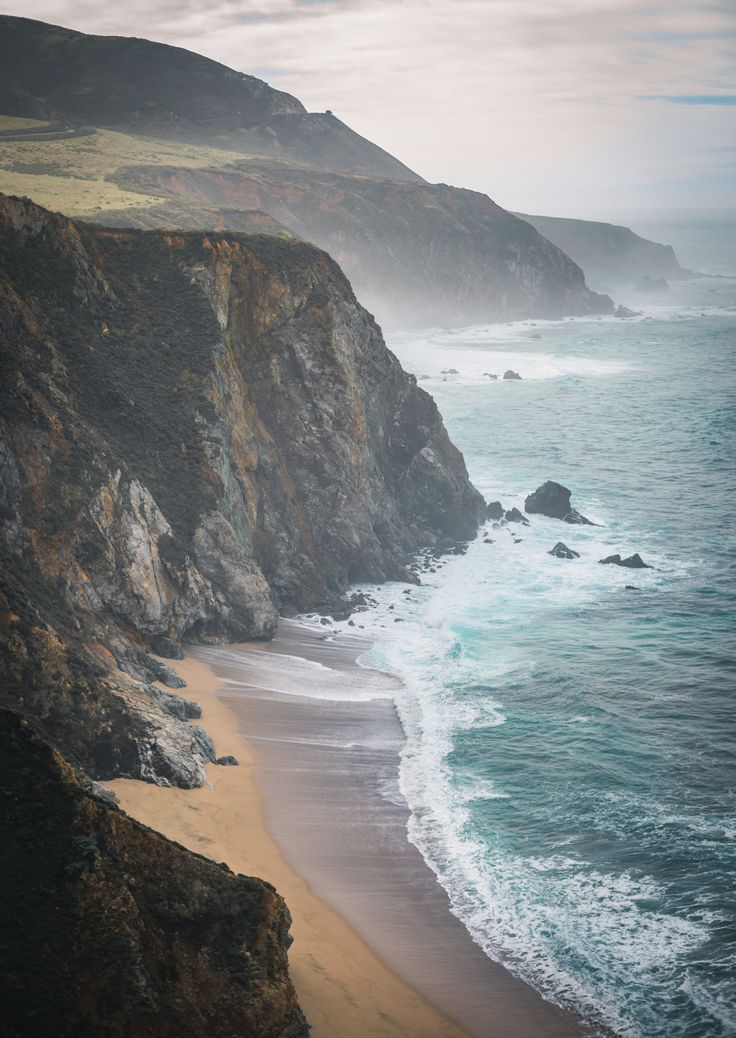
(197, 431)
(608, 254)
(416, 254)
(109, 928)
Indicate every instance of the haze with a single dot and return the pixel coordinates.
(584, 107)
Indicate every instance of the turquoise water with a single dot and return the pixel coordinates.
(571, 745)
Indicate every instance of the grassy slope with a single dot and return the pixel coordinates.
(70, 175)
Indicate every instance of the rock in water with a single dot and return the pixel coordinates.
(561, 551)
(553, 500)
(512, 376)
(494, 510)
(634, 561)
(110, 928)
(513, 515)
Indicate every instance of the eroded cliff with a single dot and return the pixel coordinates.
(109, 928)
(198, 430)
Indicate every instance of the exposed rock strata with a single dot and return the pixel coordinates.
(109, 928)
(198, 430)
(417, 254)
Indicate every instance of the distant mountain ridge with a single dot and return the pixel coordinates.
(419, 254)
(120, 82)
(609, 254)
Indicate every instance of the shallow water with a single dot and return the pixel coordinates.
(571, 747)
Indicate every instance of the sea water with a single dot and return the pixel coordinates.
(570, 761)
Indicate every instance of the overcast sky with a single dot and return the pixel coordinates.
(555, 106)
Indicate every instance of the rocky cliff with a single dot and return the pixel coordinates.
(108, 928)
(416, 254)
(609, 255)
(196, 432)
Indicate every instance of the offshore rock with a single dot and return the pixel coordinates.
(197, 431)
(561, 551)
(495, 510)
(634, 561)
(513, 515)
(109, 928)
(553, 500)
(512, 376)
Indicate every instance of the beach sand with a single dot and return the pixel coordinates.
(310, 808)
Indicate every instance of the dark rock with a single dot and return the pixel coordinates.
(517, 540)
(631, 562)
(648, 284)
(494, 510)
(177, 706)
(623, 312)
(204, 743)
(513, 515)
(487, 540)
(167, 647)
(512, 376)
(228, 760)
(553, 500)
(561, 551)
(110, 928)
(632, 587)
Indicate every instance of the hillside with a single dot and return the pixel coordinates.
(416, 253)
(72, 79)
(608, 254)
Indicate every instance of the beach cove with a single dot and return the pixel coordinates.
(376, 950)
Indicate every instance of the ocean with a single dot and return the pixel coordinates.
(570, 756)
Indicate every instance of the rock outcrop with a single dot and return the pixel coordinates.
(197, 431)
(511, 376)
(561, 551)
(553, 500)
(109, 928)
(634, 561)
(609, 255)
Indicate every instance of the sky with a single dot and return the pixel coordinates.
(566, 107)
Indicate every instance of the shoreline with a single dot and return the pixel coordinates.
(376, 950)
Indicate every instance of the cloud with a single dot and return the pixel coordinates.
(538, 104)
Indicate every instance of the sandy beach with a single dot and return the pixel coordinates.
(310, 808)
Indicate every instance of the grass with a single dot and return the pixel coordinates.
(14, 122)
(71, 175)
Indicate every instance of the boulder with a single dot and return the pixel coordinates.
(229, 760)
(167, 647)
(494, 510)
(513, 515)
(512, 376)
(553, 500)
(561, 551)
(634, 561)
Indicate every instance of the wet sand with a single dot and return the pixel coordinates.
(315, 809)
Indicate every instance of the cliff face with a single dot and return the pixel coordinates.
(198, 430)
(109, 928)
(416, 254)
(608, 254)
